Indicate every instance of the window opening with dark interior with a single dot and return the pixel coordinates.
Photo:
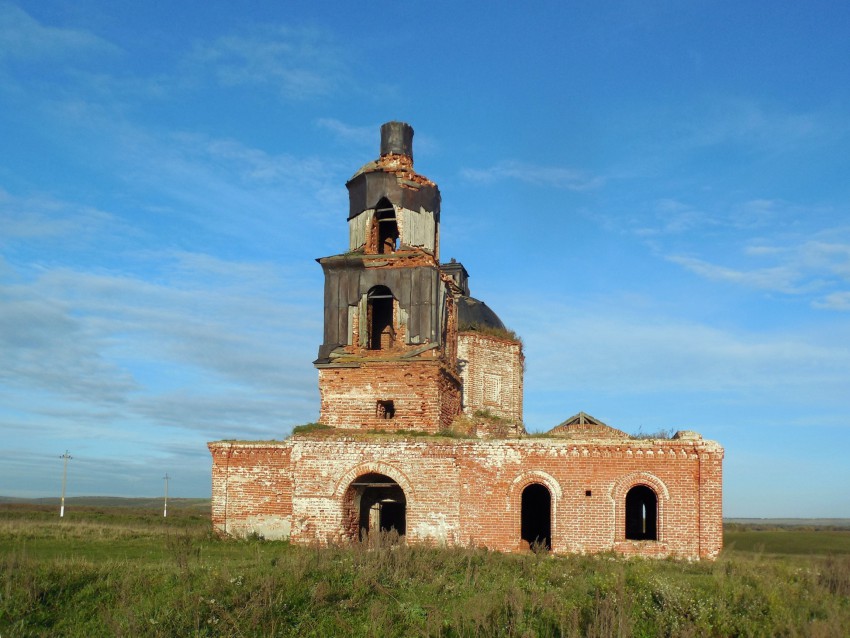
(536, 516)
(641, 514)
(385, 410)
(387, 228)
(380, 318)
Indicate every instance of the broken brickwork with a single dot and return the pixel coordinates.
(421, 428)
(491, 368)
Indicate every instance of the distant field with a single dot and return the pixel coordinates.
(111, 501)
(109, 570)
(789, 522)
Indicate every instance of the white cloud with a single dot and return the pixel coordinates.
(813, 265)
(550, 176)
(43, 345)
(300, 63)
(786, 279)
(113, 342)
(39, 217)
(21, 36)
(582, 348)
(361, 135)
(834, 301)
(746, 121)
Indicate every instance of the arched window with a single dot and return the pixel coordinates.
(387, 227)
(536, 516)
(641, 514)
(379, 317)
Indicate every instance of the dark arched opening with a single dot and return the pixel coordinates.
(387, 227)
(378, 504)
(641, 514)
(536, 516)
(380, 318)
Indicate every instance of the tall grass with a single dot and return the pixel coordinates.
(181, 581)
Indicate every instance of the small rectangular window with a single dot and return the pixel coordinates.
(385, 410)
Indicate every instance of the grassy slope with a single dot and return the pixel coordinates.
(127, 571)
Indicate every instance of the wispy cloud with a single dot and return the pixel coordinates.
(747, 121)
(95, 337)
(300, 63)
(23, 37)
(36, 217)
(584, 348)
(549, 176)
(361, 135)
(813, 266)
(787, 278)
(834, 301)
(43, 345)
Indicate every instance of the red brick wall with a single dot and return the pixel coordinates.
(469, 491)
(490, 360)
(425, 395)
(252, 488)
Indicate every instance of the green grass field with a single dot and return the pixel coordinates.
(126, 571)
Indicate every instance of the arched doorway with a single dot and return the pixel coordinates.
(641, 514)
(536, 516)
(376, 503)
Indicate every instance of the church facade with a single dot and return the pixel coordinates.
(420, 426)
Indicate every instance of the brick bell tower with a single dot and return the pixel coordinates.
(389, 357)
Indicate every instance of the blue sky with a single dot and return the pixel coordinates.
(655, 195)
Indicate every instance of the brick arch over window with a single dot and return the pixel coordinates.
(349, 496)
(618, 495)
(525, 479)
(374, 467)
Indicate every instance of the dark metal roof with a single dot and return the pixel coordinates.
(472, 312)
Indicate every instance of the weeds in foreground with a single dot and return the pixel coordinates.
(188, 583)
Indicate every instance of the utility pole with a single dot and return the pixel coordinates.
(65, 457)
(165, 504)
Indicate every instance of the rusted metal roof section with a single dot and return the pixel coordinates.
(584, 426)
(472, 313)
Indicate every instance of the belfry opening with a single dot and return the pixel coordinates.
(380, 318)
(378, 504)
(385, 217)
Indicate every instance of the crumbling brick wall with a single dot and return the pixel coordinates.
(470, 491)
(491, 369)
(252, 488)
(425, 396)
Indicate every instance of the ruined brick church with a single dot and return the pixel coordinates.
(420, 427)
